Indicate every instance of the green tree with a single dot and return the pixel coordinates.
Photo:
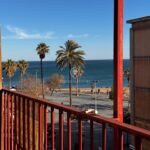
(22, 66)
(42, 49)
(69, 56)
(10, 67)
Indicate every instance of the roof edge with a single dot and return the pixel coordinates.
(138, 19)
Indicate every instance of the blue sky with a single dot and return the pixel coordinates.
(25, 23)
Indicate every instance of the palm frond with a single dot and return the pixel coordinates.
(69, 55)
(22, 66)
(42, 48)
(10, 67)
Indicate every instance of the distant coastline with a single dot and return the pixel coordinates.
(85, 60)
(100, 70)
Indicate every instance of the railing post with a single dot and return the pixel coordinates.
(15, 121)
(8, 121)
(104, 144)
(69, 131)
(118, 139)
(61, 130)
(5, 120)
(33, 125)
(45, 127)
(138, 143)
(28, 123)
(118, 59)
(80, 133)
(12, 121)
(2, 120)
(52, 130)
(91, 134)
(40, 127)
(19, 121)
(24, 123)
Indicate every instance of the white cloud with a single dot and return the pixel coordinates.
(78, 36)
(18, 33)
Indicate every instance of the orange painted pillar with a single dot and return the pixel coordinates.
(118, 59)
(1, 100)
(0, 60)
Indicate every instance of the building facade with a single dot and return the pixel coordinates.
(140, 73)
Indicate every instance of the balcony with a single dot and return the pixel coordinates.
(30, 123)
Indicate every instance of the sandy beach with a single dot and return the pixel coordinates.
(104, 90)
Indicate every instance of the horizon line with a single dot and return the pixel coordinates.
(54, 60)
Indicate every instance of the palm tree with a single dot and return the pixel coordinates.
(77, 72)
(10, 67)
(23, 66)
(69, 56)
(42, 49)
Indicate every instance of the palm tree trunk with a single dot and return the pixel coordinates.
(21, 80)
(129, 105)
(42, 79)
(52, 92)
(77, 86)
(70, 85)
(9, 83)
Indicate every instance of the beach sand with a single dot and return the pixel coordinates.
(105, 90)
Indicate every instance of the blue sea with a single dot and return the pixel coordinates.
(100, 71)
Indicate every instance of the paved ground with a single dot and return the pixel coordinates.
(104, 107)
(102, 103)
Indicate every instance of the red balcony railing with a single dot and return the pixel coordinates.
(25, 122)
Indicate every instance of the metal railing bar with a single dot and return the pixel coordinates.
(40, 127)
(45, 127)
(104, 136)
(12, 121)
(19, 120)
(8, 121)
(2, 117)
(80, 133)
(24, 123)
(52, 130)
(91, 135)
(33, 125)
(5, 120)
(69, 133)
(120, 139)
(28, 122)
(15, 122)
(138, 143)
(61, 130)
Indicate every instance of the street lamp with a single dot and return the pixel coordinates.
(94, 82)
(36, 73)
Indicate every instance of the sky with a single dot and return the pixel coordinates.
(26, 23)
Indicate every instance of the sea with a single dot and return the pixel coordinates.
(99, 72)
